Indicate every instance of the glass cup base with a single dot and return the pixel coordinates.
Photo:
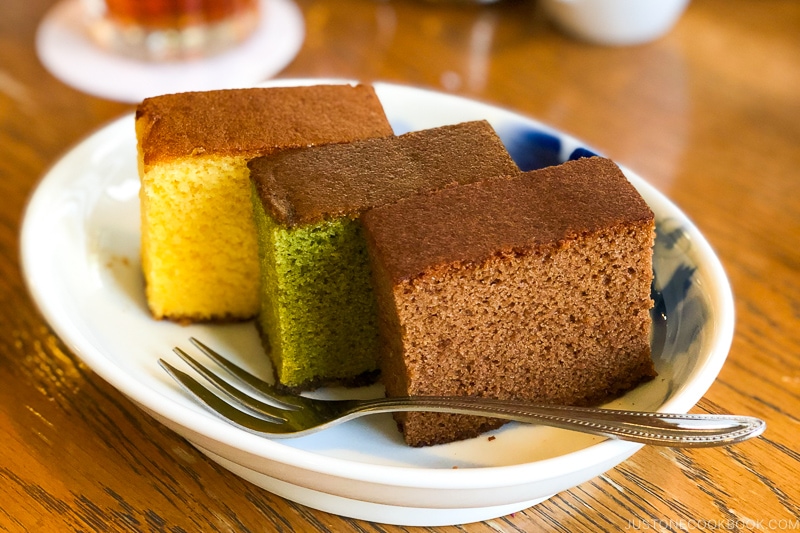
(172, 44)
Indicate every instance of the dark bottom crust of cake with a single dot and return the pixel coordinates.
(468, 428)
(361, 380)
(427, 429)
(188, 320)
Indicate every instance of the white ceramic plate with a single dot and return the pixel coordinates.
(80, 253)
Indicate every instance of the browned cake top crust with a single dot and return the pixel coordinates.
(505, 215)
(323, 182)
(249, 122)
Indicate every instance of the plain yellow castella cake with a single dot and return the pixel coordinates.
(535, 287)
(199, 248)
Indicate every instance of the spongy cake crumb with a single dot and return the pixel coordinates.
(318, 315)
(199, 250)
(535, 287)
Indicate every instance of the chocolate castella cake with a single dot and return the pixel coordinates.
(317, 317)
(199, 250)
(534, 287)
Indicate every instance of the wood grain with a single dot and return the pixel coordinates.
(710, 115)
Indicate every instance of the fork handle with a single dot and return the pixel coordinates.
(661, 429)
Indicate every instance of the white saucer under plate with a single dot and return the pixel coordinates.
(67, 51)
(80, 254)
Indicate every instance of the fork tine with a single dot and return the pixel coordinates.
(252, 383)
(666, 429)
(226, 412)
(244, 402)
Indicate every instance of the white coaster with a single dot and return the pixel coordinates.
(67, 51)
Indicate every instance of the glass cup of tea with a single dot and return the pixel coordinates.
(167, 30)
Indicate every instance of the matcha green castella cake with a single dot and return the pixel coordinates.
(317, 317)
(534, 287)
(198, 239)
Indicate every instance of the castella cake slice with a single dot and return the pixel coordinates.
(534, 287)
(317, 317)
(199, 251)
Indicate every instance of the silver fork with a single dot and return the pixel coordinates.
(266, 411)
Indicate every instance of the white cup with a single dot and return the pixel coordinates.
(615, 22)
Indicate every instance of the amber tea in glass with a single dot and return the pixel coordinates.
(170, 29)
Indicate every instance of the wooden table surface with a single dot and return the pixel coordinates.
(709, 114)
